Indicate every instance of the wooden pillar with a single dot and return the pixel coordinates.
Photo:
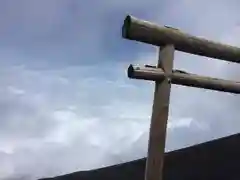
(158, 127)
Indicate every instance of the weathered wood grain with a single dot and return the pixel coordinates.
(147, 32)
(184, 78)
(158, 126)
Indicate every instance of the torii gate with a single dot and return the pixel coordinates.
(171, 39)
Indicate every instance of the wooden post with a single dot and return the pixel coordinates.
(158, 126)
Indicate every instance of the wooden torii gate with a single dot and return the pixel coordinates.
(169, 40)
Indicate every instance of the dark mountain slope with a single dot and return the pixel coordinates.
(214, 160)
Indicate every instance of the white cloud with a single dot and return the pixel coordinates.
(15, 90)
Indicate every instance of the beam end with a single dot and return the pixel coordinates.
(130, 71)
(126, 26)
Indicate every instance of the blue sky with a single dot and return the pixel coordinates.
(66, 103)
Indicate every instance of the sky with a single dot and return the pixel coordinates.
(66, 103)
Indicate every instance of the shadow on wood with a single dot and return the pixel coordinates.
(214, 160)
